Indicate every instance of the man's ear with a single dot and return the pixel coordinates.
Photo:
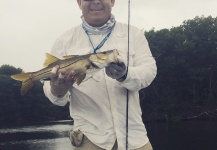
(113, 2)
(79, 3)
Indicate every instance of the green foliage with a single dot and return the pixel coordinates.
(186, 58)
(32, 107)
(9, 70)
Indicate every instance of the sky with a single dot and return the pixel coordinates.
(28, 28)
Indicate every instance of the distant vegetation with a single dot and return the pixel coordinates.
(185, 87)
(34, 106)
(186, 83)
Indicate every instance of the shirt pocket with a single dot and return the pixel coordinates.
(119, 41)
(123, 52)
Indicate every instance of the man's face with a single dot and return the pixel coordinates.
(96, 12)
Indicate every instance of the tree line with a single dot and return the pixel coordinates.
(186, 83)
(34, 106)
(185, 87)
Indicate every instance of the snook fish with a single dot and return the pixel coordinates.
(80, 64)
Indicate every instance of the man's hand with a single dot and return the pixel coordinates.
(117, 71)
(61, 83)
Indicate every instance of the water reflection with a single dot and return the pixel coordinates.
(194, 135)
(46, 136)
(39, 144)
(49, 126)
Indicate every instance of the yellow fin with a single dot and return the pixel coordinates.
(26, 86)
(69, 56)
(50, 59)
(21, 76)
(27, 82)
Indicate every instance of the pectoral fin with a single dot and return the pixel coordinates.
(79, 78)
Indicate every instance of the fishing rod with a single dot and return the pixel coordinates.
(128, 52)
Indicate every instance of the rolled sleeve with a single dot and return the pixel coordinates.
(144, 68)
(138, 79)
(55, 100)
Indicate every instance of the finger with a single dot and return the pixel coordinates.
(122, 65)
(61, 76)
(114, 73)
(54, 71)
(117, 66)
(69, 78)
(70, 75)
(112, 66)
(107, 70)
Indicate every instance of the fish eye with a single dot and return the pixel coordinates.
(103, 52)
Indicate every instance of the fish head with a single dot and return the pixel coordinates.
(103, 59)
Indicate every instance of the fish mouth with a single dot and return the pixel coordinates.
(94, 65)
(115, 55)
(98, 65)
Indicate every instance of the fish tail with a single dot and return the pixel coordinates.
(27, 81)
(21, 76)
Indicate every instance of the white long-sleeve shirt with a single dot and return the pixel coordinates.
(98, 105)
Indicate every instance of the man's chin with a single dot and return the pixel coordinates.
(97, 22)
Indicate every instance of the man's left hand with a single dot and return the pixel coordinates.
(116, 70)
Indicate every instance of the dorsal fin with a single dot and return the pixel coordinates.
(69, 56)
(50, 59)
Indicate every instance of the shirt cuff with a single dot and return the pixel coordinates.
(55, 100)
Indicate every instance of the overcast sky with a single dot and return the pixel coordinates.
(28, 28)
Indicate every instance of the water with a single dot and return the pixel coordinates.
(43, 136)
(192, 135)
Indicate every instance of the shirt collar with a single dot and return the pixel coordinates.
(107, 27)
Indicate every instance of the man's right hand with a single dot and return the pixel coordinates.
(60, 83)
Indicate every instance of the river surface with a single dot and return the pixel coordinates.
(190, 135)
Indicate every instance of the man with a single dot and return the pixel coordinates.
(98, 105)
